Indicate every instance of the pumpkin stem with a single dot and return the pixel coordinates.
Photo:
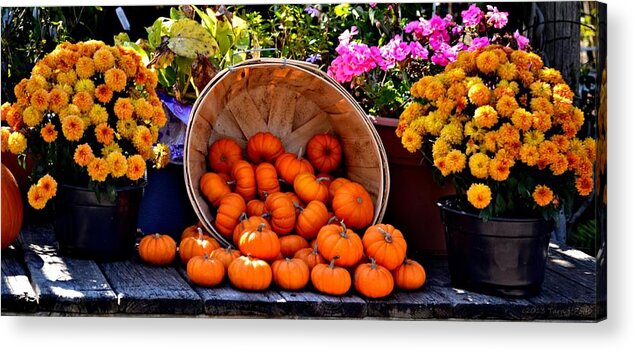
(315, 251)
(200, 232)
(287, 260)
(265, 215)
(243, 217)
(344, 229)
(333, 218)
(261, 226)
(323, 178)
(388, 236)
(300, 152)
(231, 182)
(298, 207)
(157, 235)
(332, 262)
(373, 262)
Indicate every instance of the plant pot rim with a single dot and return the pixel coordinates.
(118, 189)
(443, 204)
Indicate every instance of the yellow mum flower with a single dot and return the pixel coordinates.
(142, 138)
(562, 142)
(71, 109)
(103, 59)
(136, 167)
(479, 165)
(434, 90)
(36, 198)
(103, 93)
(35, 83)
(441, 148)
(32, 116)
(17, 143)
(490, 141)
(499, 169)
(85, 85)
(541, 89)
(115, 79)
(143, 109)
(5, 138)
(39, 100)
(479, 195)
(129, 65)
(529, 154)
(67, 78)
(522, 119)
(452, 132)
(485, 116)
(551, 76)
(547, 152)
(541, 104)
(20, 90)
(73, 128)
(441, 164)
(48, 132)
(467, 61)
(98, 114)
(113, 147)
(104, 134)
(542, 195)
(542, 121)
(533, 137)
(83, 155)
(98, 169)
(526, 77)
(506, 106)
(123, 108)
(159, 118)
(118, 164)
(487, 62)
(48, 186)
(590, 147)
(457, 90)
(479, 94)
(411, 140)
(85, 67)
(57, 99)
(456, 161)
(126, 128)
(507, 71)
(83, 100)
(559, 164)
(455, 75)
(42, 69)
(584, 185)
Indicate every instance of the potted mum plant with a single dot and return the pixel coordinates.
(87, 119)
(502, 127)
(380, 78)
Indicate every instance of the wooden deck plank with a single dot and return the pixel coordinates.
(310, 303)
(64, 284)
(573, 265)
(144, 289)
(17, 293)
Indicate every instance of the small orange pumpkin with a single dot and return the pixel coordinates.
(228, 216)
(255, 207)
(250, 273)
(310, 188)
(193, 231)
(372, 280)
(12, 208)
(261, 243)
(335, 185)
(410, 275)
(353, 204)
(289, 245)
(213, 187)
(225, 255)
(310, 256)
(311, 219)
(288, 165)
(385, 244)
(337, 240)
(157, 249)
(266, 179)
(290, 274)
(264, 147)
(282, 211)
(244, 177)
(223, 154)
(247, 224)
(331, 279)
(324, 152)
(205, 271)
(191, 247)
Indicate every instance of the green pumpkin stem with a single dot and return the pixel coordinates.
(261, 226)
(315, 251)
(373, 263)
(200, 232)
(299, 153)
(388, 236)
(332, 262)
(344, 229)
(298, 207)
(243, 217)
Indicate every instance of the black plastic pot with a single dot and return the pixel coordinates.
(87, 228)
(500, 256)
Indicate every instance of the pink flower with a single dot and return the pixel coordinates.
(372, 4)
(521, 40)
(437, 39)
(472, 16)
(496, 18)
(346, 36)
(354, 60)
(437, 24)
(478, 42)
(420, 29)
(418, 51)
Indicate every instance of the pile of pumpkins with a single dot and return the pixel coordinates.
(293, 237)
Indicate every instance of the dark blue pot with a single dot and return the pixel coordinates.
(165, 207)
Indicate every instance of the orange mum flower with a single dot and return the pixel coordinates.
(487, 62)
(559, 164)
(83, 100)
(123, 108)
(136, 167)
(104, 133)
(32, 116)
(73, 128)
(479, 94)
(115, 79)
(456, 161)
(98, 169)
(85, 67)
(129, 65)
(103, 59)
(142, 138)
(57, 99)
(584, 185)
(48, 186)
(499, 169)
(83, 155)
(529, 154)
(118, 164)
(48, 132)
(485, 116)
(506, 106)
(159, 119)
(479, 165)
(542, 195)
(479, 195)
(39, 100)
(36, 197)
(103, 93)
(143, 109)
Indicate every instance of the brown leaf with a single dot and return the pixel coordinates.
(202, 71)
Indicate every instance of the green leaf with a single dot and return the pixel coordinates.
(224, 36)
(188, 38)
(176, 14)
(159, 28)
(121, 38)
(208, 21)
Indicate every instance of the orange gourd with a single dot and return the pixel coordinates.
(266, 179)
(289, 245)
(191, 247)
(228, 216)
(244, 176)
(331, 279)
(214, 187)
(205, 271)
(290, 274)
(223, 154)
(261, 243)
(353, 204)
(264, 147)
(310, 256)
(410, 275)
(247, 224)
(324, 152)
(250, 273)
(12, 208)
(288, 165)
(310, 188)
(311, 219)
(282, 212)
(334, 186)
(372, 280)
(255, 207)
(225, 255)
(193, 231)
(157, 249)
(337, 240)
(385, 244)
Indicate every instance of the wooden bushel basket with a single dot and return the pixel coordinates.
(293, 100)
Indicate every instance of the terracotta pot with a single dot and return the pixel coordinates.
(413, 194)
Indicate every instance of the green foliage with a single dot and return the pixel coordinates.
(585, 236)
